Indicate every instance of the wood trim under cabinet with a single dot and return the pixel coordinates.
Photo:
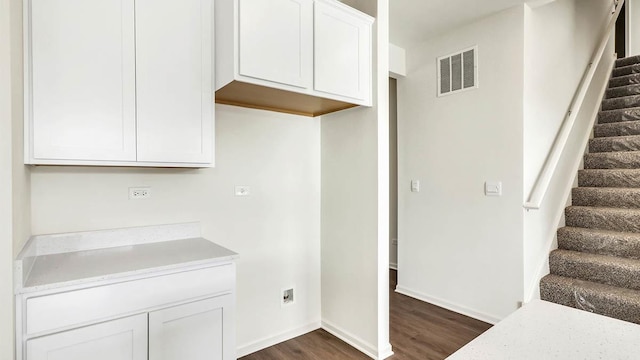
(242, 94)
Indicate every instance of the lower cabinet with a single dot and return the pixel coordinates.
(123, 339)
(188, 315)
(193, 331)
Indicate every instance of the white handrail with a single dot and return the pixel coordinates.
(541, 186)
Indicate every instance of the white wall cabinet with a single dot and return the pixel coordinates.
(308, 57)
(276, 41)
(125, 83)
(342, 47)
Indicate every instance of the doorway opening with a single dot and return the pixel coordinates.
(393, 174)
(621, 33)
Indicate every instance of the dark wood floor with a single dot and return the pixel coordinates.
(418, 331)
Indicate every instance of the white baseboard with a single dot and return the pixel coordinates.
(386, 352)
(351, 339)
(449, 305)
(273, 340)
(393, 266)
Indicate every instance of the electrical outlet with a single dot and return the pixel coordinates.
(287, 297)
(242, 190)
(139, 193)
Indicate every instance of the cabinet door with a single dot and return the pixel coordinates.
(81, 80)
(174, 50)
(124, 339)
(276, 41)
(196, 331)
(342, 53)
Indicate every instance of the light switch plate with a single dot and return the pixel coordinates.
(493, 188)
(415, 185)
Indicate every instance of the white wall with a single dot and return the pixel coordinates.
(560, 39)
(397, 61)
(276, 230)
(355, 209)
(21, 173)
(349, 225)
(458, 248)
(14, 176)
(6, 240)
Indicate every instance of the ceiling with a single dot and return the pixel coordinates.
(414, 21)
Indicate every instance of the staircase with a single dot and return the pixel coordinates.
(597, 264)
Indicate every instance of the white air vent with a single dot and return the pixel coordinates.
(458, 72)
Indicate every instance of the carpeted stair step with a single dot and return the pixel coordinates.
(602, 242)
(613, 160)
(604, 269)
(614, 143)
(626, 70)
(603, 218)
(624, 178)
(618, 115)
(624, 81)
(631, 60)
(628, 198)
(624, 128)
(611, 301)
(621, 103)
(623, 91)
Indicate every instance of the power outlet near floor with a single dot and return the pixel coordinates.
(287, 297)
(139, 193)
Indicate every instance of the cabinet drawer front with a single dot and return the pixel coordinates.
(50, 312)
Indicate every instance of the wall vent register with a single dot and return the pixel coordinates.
(458, 72)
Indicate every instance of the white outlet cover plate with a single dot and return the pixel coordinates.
(282, 303)
(242, 190)
(139, 193)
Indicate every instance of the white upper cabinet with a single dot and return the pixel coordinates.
(276, 41)
(307, 57)
(82, 62)
(123, 83)
(342, 52)
(174, 83)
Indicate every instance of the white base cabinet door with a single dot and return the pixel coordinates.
(192, 331)
(123, 339)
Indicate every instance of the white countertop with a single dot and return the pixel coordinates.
(546, 331)
(62, 260)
